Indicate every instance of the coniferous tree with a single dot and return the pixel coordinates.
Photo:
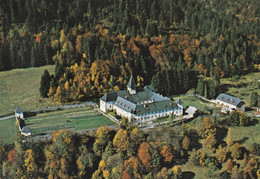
(45, 83)
(254, 99)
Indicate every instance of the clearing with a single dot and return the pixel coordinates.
(8, 131)
(20, 87)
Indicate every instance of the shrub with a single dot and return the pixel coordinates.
(255, 149)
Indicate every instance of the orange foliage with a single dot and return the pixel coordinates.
(38, 37)
(54, 134)
(202, 69)
(132, 163)
(11, 156)
(167, 153)
(78, 44)
(126, 175)
(144, 154)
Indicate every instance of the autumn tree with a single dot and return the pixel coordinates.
(85, 162)
(221, 153)
(235, 173)
(210, 142)
(144, 154)
(11, 156)
(186, 143)
(177, 173)
(30, 164)
(229, 165)
(210, 129)
(121, 140)
(229, 139)
(167, 153)
(251, 168)
(103, 137)
(235, 151)
(132, 164)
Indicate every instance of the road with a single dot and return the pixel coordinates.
(55, 108)
(7, 117)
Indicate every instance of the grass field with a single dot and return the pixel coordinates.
(8, 131)
(243, 87)
(20, 87)
(74, 119)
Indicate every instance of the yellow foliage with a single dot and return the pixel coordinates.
(121, 140)
(102, 165)
(106, 174)
(116, 88)
(67, 86)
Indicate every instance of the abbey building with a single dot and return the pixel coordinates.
(140, 105)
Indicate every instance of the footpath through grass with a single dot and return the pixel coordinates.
(74, 119)
(8, 131)
(20, 87)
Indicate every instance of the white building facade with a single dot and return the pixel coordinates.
(140, 105)
(231, 102)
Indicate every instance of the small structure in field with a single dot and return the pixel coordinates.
(230, 102)
(26, 131)
(18, 112)
(191, 110)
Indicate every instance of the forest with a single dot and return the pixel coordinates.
(130, 152)
(96, 45)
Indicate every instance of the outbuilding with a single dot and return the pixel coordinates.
(231, 102)
(26, 131)
(18, 112)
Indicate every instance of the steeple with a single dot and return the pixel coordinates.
(131, 86)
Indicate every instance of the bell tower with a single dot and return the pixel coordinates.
(131, 86)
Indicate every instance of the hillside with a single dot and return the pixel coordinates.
(20, 87)
(97, 45)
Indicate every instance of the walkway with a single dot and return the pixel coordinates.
(109, 116)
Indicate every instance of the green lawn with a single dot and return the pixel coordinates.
(192, 101)
(20, 87)
(74, 119)
(8, 131)
(246, 135)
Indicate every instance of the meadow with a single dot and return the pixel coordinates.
(73, 119)
(20, 87)
(8, 131)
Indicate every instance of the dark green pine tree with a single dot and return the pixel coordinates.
(254, 99)
(200, 87)
(45, 83)
(33, 57)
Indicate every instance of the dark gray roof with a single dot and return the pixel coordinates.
(131, 84)
(26, 129)
(18, 110)
(230, 99)
(154, 107)
(111, 96)
(140, 96)
(125, 104)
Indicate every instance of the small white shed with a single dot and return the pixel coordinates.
(18, 112)
(26, 131)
